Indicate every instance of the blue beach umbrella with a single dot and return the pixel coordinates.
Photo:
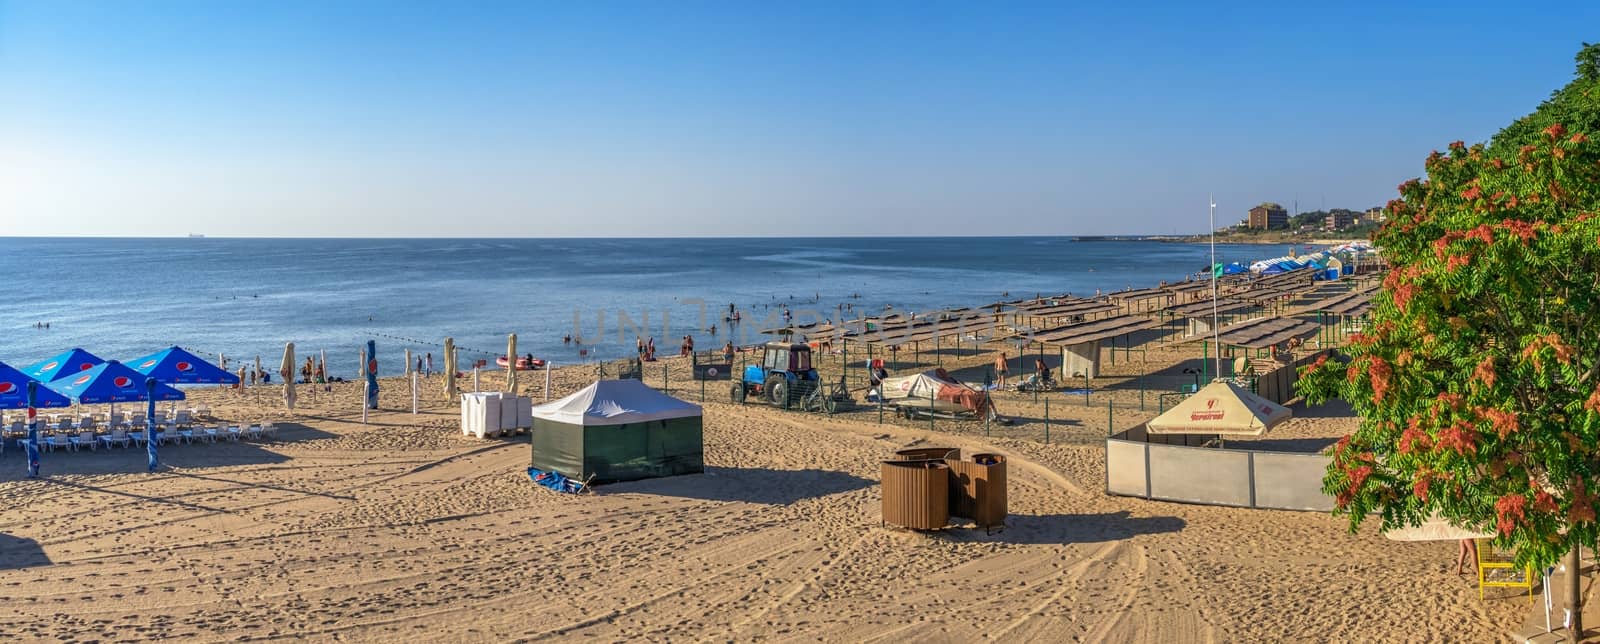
(113, 382)
(18, 391)
(63, 365)
(176, 366)
(14, 391)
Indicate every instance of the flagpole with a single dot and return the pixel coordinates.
(1215, 331)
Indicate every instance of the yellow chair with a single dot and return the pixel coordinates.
(1496, 569)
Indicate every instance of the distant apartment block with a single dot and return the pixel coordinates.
(1340, 220)
(1268, 216)
(1373, 216)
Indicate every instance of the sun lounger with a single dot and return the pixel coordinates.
(181, 418)
(200, 411)
(187, 435)
(63, 424)
(117, 437)
(269, 431)
(84, 438)
(163, 436)
(140, 439)
(58, 440)
(223, 432)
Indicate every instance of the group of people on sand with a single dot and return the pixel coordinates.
(647, 348)
(686, 347)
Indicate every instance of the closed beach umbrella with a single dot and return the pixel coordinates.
(372, 374)
(258, 368)
(1221, 408)
(62, 365)
(408, 362)
(511, 363)
(450, 369)
(287, 371)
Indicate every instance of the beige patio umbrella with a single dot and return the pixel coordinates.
(1436, 528)
(511, 363)
(1221, 408)
(287, 372)
(450, 369)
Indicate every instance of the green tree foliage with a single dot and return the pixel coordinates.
(1576, 106)
(1478, 379)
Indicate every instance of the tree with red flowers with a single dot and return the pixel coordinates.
(1478, 378)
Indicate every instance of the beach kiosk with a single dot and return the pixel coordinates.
(618, 430)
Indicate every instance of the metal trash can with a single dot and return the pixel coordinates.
(916, 494)
(978, 489)
(927, 454)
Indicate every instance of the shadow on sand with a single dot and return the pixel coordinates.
(1068, 528)
(115, 460)
(750, 485)
(20, 552)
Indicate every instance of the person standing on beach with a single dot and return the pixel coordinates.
(429, 372)
(1000, 368)
(727, 351)
(1467, 548)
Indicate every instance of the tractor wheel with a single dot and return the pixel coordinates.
(778, 391)
(737, 393)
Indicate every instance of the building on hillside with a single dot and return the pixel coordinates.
(1374, 216)
(1339, 220)
(1268, 216)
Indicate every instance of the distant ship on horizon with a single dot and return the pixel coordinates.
(196, 236)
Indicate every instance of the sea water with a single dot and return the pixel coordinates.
(123, 298)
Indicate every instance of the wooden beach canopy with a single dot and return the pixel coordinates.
(1072, 308)
(1093, 331)
(1204, 310)
(1262, 333)
(1354, 303)
(1221, 408)
(1436, 528)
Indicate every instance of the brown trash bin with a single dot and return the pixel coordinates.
(927, 454)
(916, 493)
(978, 489)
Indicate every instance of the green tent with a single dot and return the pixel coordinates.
(618, 430)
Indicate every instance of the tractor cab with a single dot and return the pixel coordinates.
(783, 377)
(792, 358)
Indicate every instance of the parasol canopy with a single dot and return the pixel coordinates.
(177, 366)
(112, 382)
(1221, 408)
(62, 365)
(14, 391)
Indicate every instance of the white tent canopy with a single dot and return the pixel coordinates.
(615, 402)
(1221, 408)
(1436, 528)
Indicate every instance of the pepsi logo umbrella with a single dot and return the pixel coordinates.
(14, 391)
(61, 366)
(176, 366)
(112, 382)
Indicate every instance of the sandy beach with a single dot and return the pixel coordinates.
(402, 527)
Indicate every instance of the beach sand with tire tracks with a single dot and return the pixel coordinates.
(401, 527)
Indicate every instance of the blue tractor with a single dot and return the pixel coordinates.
(784, 377)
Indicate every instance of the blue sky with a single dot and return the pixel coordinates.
(698, 118)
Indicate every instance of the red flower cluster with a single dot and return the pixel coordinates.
(1593, 403)
(1380, 373)
(1521, 229)
(1582, 509)
(1485, 372)
(1460, 437)
(1544, 502)
(1457, 261)
(1414, 439)
(1509, 511)
(1420, 488)
(1482, 233)
(1555, 131)
(1578, 138)
(1472, 193)
(1504, 422)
